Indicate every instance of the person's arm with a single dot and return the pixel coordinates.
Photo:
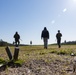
(61, 35)
(19, 36)
(14, 36)
(48, 35)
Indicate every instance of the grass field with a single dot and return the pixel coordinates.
(53, 55)
(29, 52)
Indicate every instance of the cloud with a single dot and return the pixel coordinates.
(53, 21)
(64, 10)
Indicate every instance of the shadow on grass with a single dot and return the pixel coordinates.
(13, 64)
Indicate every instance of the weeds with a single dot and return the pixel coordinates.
(2, 61)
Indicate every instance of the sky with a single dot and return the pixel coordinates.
(29, 17)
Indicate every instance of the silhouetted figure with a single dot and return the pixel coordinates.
(58, 36)
(45, 36)
(17, 37)
(30, 42)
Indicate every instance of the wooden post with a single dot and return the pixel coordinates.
(16, 52)
(8, 52)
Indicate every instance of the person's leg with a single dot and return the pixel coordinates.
(15, 42)
(59, 43)
(18, 42)
(45, 42)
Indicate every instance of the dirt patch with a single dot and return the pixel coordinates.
(41, 67)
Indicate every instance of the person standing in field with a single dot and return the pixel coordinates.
(17, 37)
(58, 37)
(30, 43)
(45, 36)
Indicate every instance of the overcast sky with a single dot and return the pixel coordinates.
(29, 17)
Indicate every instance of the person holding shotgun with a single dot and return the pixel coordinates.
(58, 37)
(17, 38)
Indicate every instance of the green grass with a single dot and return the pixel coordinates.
(37, 52)
(19, 61)
(2, 61)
